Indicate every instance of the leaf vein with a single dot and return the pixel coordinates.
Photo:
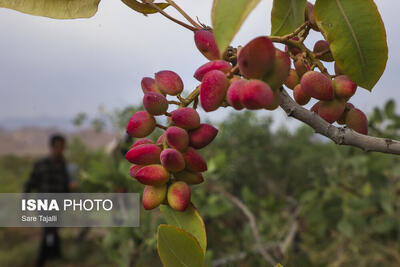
(173, 253)
(291, 10)
(352, 33)
(176, 219)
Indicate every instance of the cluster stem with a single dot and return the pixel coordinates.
(287, 40)
(191, 97)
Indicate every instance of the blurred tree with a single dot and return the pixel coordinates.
(313, 203)
(79, 119)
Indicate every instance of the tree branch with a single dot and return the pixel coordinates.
(294, 227)
(340, 135)
(253, 226)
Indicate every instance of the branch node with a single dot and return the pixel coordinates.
(388, 142)
(340, 139)
(290, 111)
(328, 128)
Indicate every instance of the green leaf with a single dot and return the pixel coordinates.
(227, 18)
(143, 8)
(357, 38)
(57, 9)
(286, 16)
(189, 220)
(178, 248)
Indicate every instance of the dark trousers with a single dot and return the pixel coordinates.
(49, 247)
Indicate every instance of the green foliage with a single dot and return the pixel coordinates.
(98, 125)
(357, 38)
(57, 9)
(19, 247)
(189, 220)
(178, 248)
(14, 171)
(227, 18)
(347, 201)
(143, 8)
(286, 16)
(337, 200)
(346, 198)
(390, 109)
(385, 122)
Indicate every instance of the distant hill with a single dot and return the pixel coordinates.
(14, 123)
(33, 140)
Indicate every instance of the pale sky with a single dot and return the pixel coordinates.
(57, 68)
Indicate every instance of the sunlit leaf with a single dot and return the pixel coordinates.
(189, 220)
(178, 248)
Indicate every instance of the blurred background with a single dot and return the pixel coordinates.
(314, 203)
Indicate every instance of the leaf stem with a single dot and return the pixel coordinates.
(189, 27)
(183, 13)
(293, 34)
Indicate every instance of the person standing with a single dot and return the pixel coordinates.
(50, 175)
